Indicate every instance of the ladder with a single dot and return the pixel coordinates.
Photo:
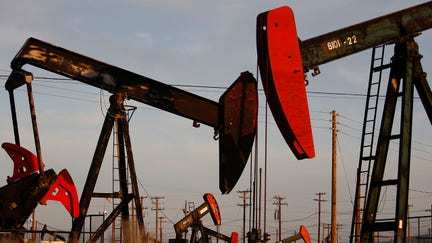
(368, 138)
(405, 71)
(191, 206)
(120, 175)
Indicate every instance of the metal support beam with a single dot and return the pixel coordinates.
(120, 117)
(93, 174)
(114, 79)
(116, 116)
(133, 176)
(405, 142)
(369, 214)
(109, 220)
(403, 70)
(423, 89)
(16, 79)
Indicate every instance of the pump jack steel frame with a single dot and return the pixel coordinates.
(116, 116)
(405, 69)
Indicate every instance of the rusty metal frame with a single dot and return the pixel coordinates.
(405, 73)
(116, 117)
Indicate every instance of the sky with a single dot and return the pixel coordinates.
(200, 43)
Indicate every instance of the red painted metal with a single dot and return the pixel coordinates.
(234, 237)
(283, 78)
(305, 234)
(63, 190)
(214, 208)
(25, 162)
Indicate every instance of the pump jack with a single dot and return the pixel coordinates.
(193, 221)
(233, 118)
(30, 185)
(303, 234)
(284, 59)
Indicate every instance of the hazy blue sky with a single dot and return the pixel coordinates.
(206, 43)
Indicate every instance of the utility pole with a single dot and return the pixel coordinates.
(244, 196)
(334, 184)
(327, 234)
(430, 229)
(185, 211)
(338, 227)
(278, 202)
(34, 225)
(142, 213)
(156, 202)
(259, 200)
(408, 224)
(319, 200)
(160, 226)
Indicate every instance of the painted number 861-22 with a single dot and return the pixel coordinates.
(337, 43)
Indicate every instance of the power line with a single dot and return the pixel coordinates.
(300, 219)
(49, 79)
(345, 173)
(151, 198)
(222, 88)
(351, 119)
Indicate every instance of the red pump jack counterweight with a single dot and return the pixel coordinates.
(27, 187)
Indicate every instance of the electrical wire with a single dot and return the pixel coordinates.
(218, 89)
(150, 196)
(344, 169)
(300, 219)
(205, 88)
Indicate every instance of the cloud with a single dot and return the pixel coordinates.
(145, 37)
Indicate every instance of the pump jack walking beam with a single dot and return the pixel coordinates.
(392, 28)
(362, 36)
(233, 118)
